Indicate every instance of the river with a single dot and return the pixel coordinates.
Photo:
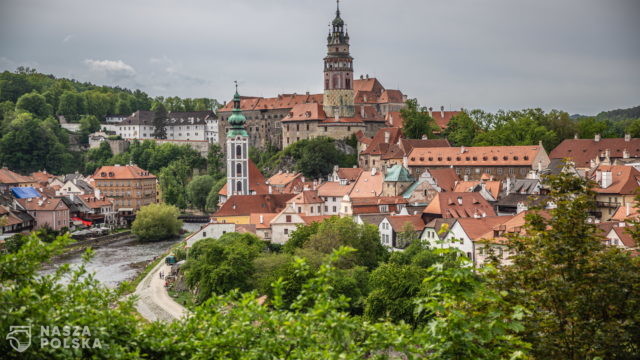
(119, 261)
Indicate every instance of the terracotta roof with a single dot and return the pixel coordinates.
(378, 200)
(123, 172)
(391, 96)
(266, 219)
(351, 174)
(334, 189)
(394, 119)
(9, 177)
(623, 213)
(366, 84)
(459, 205)
(443, 121)
(42, 204)
(41, 176)
(282, 179)
(475, 156)
(315, 112)
(625, 179)
(373, 219)
(582, 151)
(245, 205)
(95, 203)
(311, 219)
(445, 178)
(378, 145)
(257, 182)
(625, 236)
(306, 197)
(368, 185)
(305, 112)
(283, 101)
(398, 222)
(477, 228)
(494, 187)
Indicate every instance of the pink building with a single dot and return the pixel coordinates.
(51, 212)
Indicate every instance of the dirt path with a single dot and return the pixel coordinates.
(154, 302)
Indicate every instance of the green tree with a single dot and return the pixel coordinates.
(215, 161)
(72, 105)
(335, 232)
(588, 127)
(88, 124)
(461, 130)
(173, 183)
(584, 296)
(217, 266)
(198, 190)
(160, 121)
(35, 104)
(156, 222)
(213, 197)
(319, 156)
(97, 157)
(633, 128)
(416, 121)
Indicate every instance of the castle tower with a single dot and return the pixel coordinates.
(237, 151)
(338, 71)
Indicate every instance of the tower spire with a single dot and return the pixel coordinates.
(338, 8)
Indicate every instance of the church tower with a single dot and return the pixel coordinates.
(338, 71)
(237, 151)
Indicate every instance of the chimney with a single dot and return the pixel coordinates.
(627, 137)
(405, 161)
(425, 137)
(628, 209)
(261, 219)
(442, 111)
(430, 111)
(387, 137)
(367, 76)
(575, 136)
(462, 149)
(373, 171)
(362, 114)
(270, 189)
(625, 154)
(361, 77)
(459, 200)
(539, 165)
(597, 138)
(607, 179)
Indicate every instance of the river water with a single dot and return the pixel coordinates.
(119, 261)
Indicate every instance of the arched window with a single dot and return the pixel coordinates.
(239, 186)
(348, 84)
(326, 83)
(336, 81)
(238, 169)
(238, 150)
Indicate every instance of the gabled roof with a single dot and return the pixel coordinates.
(391, 96)
(625, 179)
(373, 219)
(245, 205)
(378, 200)
(282, 101)
(445, 178)
(311, 219)
(368, 185)
(122, 172)
(41, 176)
(367, 85)
(394, 119)
(350, 174)
(306, 197)
(624, 236)
(254, 219)
(9, 177)
(477, 228)
(94, 202)
(398, 222)
(475, 156)
(42, 204)
(257, 182)
(397, 173)
(283, 178)
(524, 186)
(582, 151)
(625, 212)
(442, 118)
(378, 145)
(459, 205)
(335, 189)
(25, 192)
(493, 187)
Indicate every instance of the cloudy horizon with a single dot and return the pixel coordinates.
(581, 56)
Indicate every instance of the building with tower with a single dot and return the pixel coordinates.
(237, 151)
(346, 106)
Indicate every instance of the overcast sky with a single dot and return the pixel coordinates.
(582, 56)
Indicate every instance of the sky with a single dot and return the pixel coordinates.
(581, 56)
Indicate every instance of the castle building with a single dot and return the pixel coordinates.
(237, 151)
(346, 106)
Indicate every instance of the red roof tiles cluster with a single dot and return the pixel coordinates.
(459, 205)
(122, 172)
(245, 205)
(475, 156)
(582, 151)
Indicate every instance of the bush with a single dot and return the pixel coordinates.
(157, 222)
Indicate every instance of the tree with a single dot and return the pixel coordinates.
(72, 105)
(160, 121)
(461, 130)
(198, 190)
(35, 104)
(416, 121)
(588, 127)
(173, 183)
(156, 222)
(213, 197)
(633, 128)
(88, 124)
(215, 161)
(319, 156)
(217, 266)
(97, 157)
(584, 296)
(364, 238)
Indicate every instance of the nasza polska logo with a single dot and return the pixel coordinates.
(55, 337)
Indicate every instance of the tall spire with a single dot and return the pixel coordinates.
(337, 8)
(237, 119)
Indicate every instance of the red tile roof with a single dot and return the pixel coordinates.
(494, 187)
(443, 121)
(378, 200)
(245, 205)
(350, 174)
(368, 185)
(398, 222)
(334, 189)
(283, 178)
(477, 229)
(625, 212)
(283, 101)
(459, 205)
(123, 172)
(254, 219)
(42, 204)
(625, 179)
(446, 178)
(625, 236)
(378, 145)
(311, 219)
(394, 119)
(9, 177)
(582, 151)
(306, 197)
(475, 156)
(391, 96)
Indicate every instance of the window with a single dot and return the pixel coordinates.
(286, 231)
(239, 186)
(512, 171)
(499, 171)
(348, 83)
(311, 208)
(326, 208)
(384, 208)
(238, 150)
(287, 219)
(238, 169)
(204, 234)
(299, 210)
(334, 209)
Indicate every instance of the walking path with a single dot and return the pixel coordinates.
(154, 302)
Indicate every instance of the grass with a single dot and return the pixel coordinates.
(184, 298)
